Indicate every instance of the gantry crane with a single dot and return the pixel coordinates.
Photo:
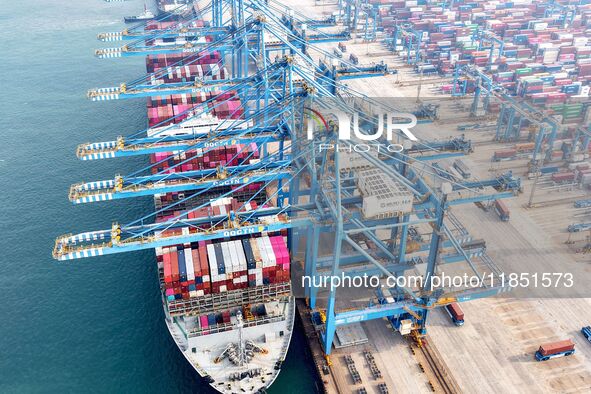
(314, 190)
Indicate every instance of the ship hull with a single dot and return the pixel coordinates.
(201, 351)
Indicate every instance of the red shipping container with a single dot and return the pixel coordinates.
(563, 176)
(174, 260)
(556, 347)
(167, 268)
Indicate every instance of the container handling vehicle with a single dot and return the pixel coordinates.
(555, 349)
(586, 331)
(456, 313)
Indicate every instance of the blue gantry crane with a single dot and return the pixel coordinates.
(312, 181)
(514, 115)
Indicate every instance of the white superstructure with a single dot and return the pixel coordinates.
(199, 125)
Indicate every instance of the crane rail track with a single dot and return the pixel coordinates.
(445, 383)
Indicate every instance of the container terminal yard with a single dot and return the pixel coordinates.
(260, 192)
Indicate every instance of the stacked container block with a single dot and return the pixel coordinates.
(207, 268)
(541, 59)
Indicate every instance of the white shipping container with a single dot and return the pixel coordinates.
(227, 258)
(270, 251)
(189, 264)
(550, 58)
(578, 158)
(580, 41)
(241, 256)
(584, 91)
(213, 266)
(451, 15)
(263, 252)
(233, 256)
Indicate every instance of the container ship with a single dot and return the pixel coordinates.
(228, 303)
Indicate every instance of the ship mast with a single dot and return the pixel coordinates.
(241, 347)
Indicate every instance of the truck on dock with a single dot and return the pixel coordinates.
(555, 349)
(507, 154)
(502, 210)
(456, 313)
(586, 331)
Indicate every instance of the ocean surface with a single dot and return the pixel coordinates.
(93, 325)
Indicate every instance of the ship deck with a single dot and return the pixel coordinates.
(203, 351)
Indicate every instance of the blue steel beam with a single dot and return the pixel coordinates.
(189, 47)
(182, 31)
(176, 182)
(67, 249)
(186, 143)
(400, 307)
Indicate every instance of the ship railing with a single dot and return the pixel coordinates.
(218, 301)
(257, 321)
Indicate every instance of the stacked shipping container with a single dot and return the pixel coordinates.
(196, 270)
(202, 159)
(202, 66)
(540, 59)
